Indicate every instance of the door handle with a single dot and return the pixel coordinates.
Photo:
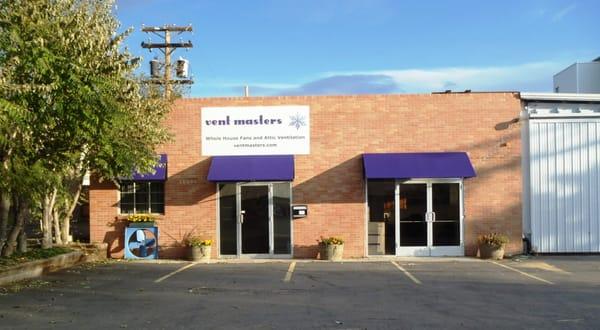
(242, 212)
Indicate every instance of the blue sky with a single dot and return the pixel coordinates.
(310, 47)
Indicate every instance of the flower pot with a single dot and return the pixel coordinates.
(147, 224)
(200, 253)
(488, 251)
(334, 252)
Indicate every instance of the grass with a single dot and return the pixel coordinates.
(31, 255)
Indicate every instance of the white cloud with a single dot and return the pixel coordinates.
(528, 76)
(535, 77)
(253, 84)
(559, 15)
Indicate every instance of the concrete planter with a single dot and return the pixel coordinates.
(32, 269)
(335, 252)
(200, 253)
(488, 251)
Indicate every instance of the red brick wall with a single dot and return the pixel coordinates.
(330, 179)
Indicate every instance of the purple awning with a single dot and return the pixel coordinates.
(251, 168)
(159, 173)
(418, 165)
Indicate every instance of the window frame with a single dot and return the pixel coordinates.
(149, 194)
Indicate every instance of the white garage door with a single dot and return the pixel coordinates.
(564, 175)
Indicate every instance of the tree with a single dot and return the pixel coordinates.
(70, 102)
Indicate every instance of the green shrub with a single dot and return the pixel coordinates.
(494, 239)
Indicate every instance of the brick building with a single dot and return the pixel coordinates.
(390, 174)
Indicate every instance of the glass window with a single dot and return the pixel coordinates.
(382, 216)
(282, 218)
(413, 207)
(127, 197)
(142, 197)
(227, 218)
(446, 207)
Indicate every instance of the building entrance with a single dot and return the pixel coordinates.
(255, 219)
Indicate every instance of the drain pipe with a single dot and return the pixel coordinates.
(527, 244)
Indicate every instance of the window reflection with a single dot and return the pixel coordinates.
(382, 217)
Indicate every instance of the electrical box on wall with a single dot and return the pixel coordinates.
(299, 211)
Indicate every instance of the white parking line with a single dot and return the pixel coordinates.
(288, 275)
(523, 273)
(175, 272)
(409, 275)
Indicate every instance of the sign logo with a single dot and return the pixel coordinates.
(297, 121)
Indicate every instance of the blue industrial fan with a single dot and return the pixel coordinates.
(141, 243)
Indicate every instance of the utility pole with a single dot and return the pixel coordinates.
(167, 48)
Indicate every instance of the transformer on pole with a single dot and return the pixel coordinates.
(167, 48)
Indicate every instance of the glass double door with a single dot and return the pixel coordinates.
(415, 218)
(255, 219)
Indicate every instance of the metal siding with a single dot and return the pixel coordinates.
(543, 187)
(561, 191)
(534, 186)
(595, 233)
(551, 179)
(593, 179)
(584, 175)
(564, 183)
(573, 182)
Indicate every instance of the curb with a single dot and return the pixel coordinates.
(37, 268)
(288, 260)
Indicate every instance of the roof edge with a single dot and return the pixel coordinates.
(561, 97)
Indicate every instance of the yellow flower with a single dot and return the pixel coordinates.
(332, 240)
(141, 217)
(195, 241)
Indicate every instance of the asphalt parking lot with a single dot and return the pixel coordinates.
(541, 292)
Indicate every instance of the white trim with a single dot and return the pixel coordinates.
(271, 223)
(429, 194)
(574, 97)
(564, 120)
(536, 109)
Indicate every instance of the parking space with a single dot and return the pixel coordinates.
(577, 270)
(298, 294)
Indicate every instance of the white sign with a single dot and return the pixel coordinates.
(256, 130)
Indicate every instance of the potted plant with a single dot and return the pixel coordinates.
(141, 220)
(332, 248)
(200, 248)
(491, 246)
